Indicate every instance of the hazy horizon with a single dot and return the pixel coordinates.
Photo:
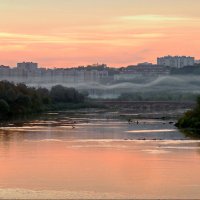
(116, 32)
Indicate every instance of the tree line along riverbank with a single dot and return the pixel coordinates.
(19, 99)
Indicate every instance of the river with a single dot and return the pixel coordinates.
(90, 154)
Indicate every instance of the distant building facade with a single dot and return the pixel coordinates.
(176, 61)
(27, 66)
(31, 73)
(142, 70)
(4, 71)
(28, 72)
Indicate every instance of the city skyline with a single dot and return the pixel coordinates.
(119, 33)
(182, 58)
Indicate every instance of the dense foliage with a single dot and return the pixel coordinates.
(193, 70)
(16, 99)
(62, 94)
(191, 119)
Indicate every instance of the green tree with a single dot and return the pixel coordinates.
(4, 107)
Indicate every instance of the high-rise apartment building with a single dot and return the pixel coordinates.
(176, 61)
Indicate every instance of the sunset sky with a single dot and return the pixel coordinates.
(66, 33)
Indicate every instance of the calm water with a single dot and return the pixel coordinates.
(97, 155)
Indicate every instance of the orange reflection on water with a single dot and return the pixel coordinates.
(69, 166)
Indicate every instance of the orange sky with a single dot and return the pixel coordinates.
(68, 33)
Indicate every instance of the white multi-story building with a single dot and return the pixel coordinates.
(27, 66)
(176, 61)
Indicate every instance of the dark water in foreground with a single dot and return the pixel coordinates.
(97, 155)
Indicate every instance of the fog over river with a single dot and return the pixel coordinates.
(173, 84)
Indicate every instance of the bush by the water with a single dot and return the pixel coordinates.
(18, 99)
(191, 119)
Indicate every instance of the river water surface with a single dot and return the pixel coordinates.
(94, 154)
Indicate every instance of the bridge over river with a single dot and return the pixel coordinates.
(149, 105)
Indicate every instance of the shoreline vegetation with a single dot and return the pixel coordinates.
(18, 100)
(190, 121)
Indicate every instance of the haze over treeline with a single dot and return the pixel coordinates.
(180, 87)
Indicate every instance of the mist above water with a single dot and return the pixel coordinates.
(175, 84)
